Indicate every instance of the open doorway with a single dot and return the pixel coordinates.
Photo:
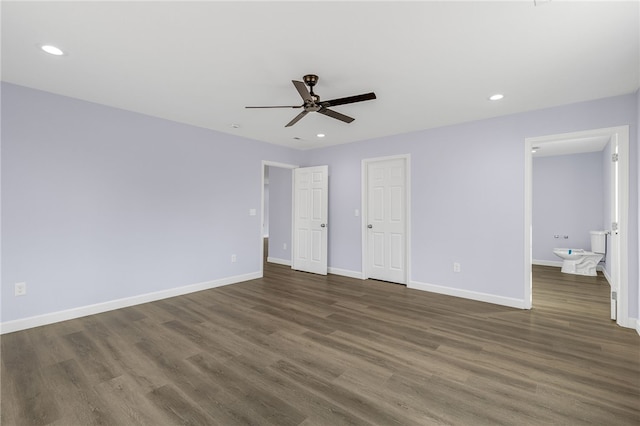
(275, 241)
(615, 215)
(294, 201)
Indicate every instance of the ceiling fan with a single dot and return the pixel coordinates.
(312, 102)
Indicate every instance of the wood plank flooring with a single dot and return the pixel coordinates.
(300, 349)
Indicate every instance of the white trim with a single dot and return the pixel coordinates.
(407, 183)
(276, 164)
(623, 226)
(345, 273)
(53, 317)
(633, 323)
(263, 166)
(364, 204)
(528, 224)
(468, 294)
(622, 133)
(286, 262)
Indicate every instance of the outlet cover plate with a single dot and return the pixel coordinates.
(20, 289)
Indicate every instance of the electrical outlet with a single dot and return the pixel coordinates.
(233, 258)
(20, 289)
(456, 267)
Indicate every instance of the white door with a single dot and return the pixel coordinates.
(386, 220)
(310, 214)
(615, 231)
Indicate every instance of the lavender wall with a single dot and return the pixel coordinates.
(100, 204)
(280, 213)
(568, 199)
(468, 195)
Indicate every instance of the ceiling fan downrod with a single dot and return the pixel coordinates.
(311, 80)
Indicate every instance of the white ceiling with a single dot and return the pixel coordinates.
(430, 63)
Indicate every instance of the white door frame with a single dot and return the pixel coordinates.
(623, 208)
(364, 208)
(263, 167)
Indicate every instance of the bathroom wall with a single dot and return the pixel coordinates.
(568, 199)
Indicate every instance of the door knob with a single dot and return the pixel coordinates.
(369, 226)
(322, 225)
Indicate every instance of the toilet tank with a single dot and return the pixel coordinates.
(598, 241)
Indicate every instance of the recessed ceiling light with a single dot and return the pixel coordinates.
(496, 97)
(52, 50)
(235, 126)
(320, 135)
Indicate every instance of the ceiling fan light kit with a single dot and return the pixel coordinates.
(312, 102)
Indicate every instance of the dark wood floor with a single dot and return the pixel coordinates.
(300, 349)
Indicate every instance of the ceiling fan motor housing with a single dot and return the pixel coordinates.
(310, 80)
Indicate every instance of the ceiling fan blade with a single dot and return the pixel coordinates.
(333, 114)
(297, 118)
(302, 89)
(349, 100)
(283, 106)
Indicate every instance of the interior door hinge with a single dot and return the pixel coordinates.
(614, 157)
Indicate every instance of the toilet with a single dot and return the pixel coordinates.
(582, 262)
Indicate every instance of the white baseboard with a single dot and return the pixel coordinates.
(468, 294)
(286, 262)
(345, 273)
(633, 323)
(53, 317)
(330, 270)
